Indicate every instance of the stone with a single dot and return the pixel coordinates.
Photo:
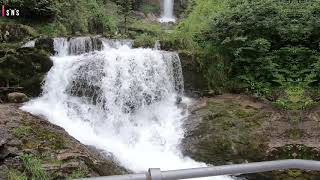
(4, 137)
(51, 167)
(27, 67)
(15, 32)
(68, 155)
(41, 143)
(3, 171)
(70, 166)
(14, 142)
(16, 97)
(46, 44)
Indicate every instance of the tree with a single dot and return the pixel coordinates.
(125, 8)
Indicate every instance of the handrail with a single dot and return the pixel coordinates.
(234, 169)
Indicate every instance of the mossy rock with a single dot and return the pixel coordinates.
(15, 32)
(228, 132)
(24, 67)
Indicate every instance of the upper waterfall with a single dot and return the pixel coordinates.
(167, 11)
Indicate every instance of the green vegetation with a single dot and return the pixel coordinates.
(56, 141)
(55, 18)
(147, 7)
(78, 174)
(22, 131)
(260, 44)
(15, 175)
(24, 68)
(257, 47)
(33, 167)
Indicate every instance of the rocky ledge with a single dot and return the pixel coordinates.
(230, 128)
(33, 148)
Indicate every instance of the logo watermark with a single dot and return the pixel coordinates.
(9, 12)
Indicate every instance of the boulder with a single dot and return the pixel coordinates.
(17, 97)
(231, 128)
(15, 32)
(46, 44)
(60, 156)
(24, 67)
(195, 83)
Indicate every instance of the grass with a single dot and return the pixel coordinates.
(15, 175)
(78, 174)
(33, 167)
(56, 141)
(22, 131)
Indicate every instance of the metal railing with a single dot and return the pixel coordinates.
(235, 169)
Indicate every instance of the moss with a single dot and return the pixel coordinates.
(16, 175)
(22, 131)
(230, 132)
(80, 173)
(245, 114)
(294, 151)
(54, 139)
(294, 173)
(294, 134)
(25, 68)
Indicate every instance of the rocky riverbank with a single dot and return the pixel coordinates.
(238, 129)
(32, 147)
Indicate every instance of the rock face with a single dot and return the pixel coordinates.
(237, 129)
(180, 6)
(16, 97)
(28, 141)
(24, 67)
(15, 32)
(46, 44)
(194, 81)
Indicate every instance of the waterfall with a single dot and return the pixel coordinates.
(81, 45)
(124, 100)
(167, 12)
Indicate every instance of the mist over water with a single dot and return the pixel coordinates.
(118, 99)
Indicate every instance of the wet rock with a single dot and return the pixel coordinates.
(68, 155)
(4, 137)
(16, 97)
(60, 155)
(3, 171)
(24, 67)
(51, 167)
(238, 129)
(70, 167)
(46, 44)
(195, 83)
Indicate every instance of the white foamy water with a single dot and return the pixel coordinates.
(121, 100)
(167, 12)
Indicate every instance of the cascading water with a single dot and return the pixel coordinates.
(167, 12)
(121, 100)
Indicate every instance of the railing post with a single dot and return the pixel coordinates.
(154, 174)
